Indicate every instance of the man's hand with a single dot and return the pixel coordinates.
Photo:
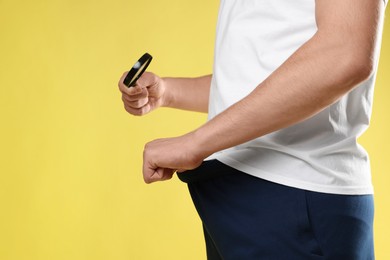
(145, 96)
(163, 157)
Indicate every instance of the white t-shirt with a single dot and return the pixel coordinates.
(254, 37)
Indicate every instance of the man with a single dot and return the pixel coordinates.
(276, 172)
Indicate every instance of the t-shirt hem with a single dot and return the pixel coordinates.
(340, 190)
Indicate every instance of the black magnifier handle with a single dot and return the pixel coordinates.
(137, 70)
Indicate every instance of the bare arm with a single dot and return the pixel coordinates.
(151, 92)
(188, 93)
(330, 64)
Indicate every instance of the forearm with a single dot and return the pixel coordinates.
(188, 93)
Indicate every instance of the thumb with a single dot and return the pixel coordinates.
(147, 79)
(159, 174)
(149, 171)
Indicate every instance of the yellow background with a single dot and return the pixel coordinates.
(70, 169)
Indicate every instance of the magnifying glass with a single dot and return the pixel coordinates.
(137, 70)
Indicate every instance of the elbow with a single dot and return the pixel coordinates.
(351, 61)
(360, 67)
(355, 67)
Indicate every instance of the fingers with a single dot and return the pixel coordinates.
(131, 91)
(153, 170)
(136, 98)
(153, 173)
(121, 85)
(138, 111)
(135, 95)
(134, 90)
(159, 174)
(147, 80)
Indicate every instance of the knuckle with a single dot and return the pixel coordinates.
(144, 93)
(131, 110)
(147, 180)
(124, 99)
(120, 82)
(142, 102)
(137, 112)
(128, 110)
(145, 109)
(132, 90)
(136, 104)
(146, 148)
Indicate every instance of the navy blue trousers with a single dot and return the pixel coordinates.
(245, 217)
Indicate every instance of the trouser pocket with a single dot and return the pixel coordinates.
(206, 171)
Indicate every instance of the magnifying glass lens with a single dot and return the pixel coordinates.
(137, 70)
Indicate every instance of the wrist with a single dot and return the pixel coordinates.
(203, 146)
(167, 98)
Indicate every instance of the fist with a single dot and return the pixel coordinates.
(145, 96)
(163, 157)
